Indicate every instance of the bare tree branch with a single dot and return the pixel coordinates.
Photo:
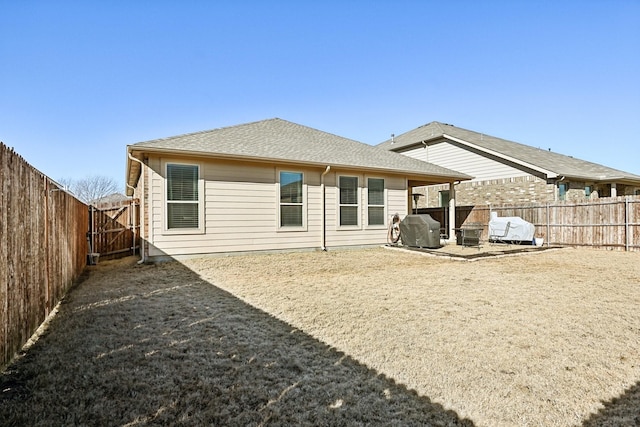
(91, 188)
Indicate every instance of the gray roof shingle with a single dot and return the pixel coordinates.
(283, 141)
(560, 164)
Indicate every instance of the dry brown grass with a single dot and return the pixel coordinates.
(341, 338)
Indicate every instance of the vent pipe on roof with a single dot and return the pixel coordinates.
(393, 138)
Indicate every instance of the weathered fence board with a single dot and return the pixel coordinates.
(43, 249)
(607, 223)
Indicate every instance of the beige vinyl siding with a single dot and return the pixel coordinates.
(397, 197)
(452, 156)
(241, 210)
(396, 191)
(240, 205)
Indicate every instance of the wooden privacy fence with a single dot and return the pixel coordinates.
(43, 249)
(607, 223)
(113, 231)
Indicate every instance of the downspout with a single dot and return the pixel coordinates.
(324, 213)
(142, 212)
(132, 220)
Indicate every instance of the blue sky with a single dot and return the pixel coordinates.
(81, 80)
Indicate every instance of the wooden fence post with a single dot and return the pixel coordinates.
(627, 215)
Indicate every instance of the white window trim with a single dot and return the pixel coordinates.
(289, 228)
(201, 211)
(385, 206)
(359, 205)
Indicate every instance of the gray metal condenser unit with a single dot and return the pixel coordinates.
(420, 231)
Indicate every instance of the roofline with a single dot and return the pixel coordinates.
(550, 174)
(135, 152)
(620, 178)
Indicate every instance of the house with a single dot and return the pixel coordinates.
(269, 185)
(506, 172)
(110, 201)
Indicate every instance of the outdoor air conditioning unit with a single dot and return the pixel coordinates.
(420, 231)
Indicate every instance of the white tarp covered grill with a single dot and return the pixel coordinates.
(510, 228)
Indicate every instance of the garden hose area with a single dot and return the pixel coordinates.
(393, 232)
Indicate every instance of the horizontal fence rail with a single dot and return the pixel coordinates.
(607, 223)
(43, 248)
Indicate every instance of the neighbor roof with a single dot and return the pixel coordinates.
(281, 141)
(552, 163)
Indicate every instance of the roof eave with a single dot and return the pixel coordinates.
(395, 146)
(620, 180)
(132, 172)
(138, 151)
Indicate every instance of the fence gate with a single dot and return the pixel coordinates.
(114, 230)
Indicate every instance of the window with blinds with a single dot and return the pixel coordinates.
(291, 199)
(349, 207)
(375, 201)
(182, 196)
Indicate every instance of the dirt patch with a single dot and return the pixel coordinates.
(341, 338)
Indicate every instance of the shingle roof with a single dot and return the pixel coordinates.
(560, 164)
(283, 141)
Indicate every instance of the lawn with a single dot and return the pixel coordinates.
(358, 337)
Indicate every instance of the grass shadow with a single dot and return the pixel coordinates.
(620, 411)
(139, 345)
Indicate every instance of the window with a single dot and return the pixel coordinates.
(183, 202)
(444, 198)
(348, 200)
(587, 191)
(375, 201)
(291, 200)
(562, 191)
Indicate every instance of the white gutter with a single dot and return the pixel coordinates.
(324, 213)
(142, 210)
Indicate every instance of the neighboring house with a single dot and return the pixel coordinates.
(269, 185)
(506, 172)
(110, 201)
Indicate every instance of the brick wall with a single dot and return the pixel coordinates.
(527, 189)
(517, 190)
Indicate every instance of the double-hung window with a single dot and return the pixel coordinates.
(349, 207)
(375, 201)
(183, 196)
(291, 199)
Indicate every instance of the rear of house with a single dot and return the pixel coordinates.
(269, 185)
